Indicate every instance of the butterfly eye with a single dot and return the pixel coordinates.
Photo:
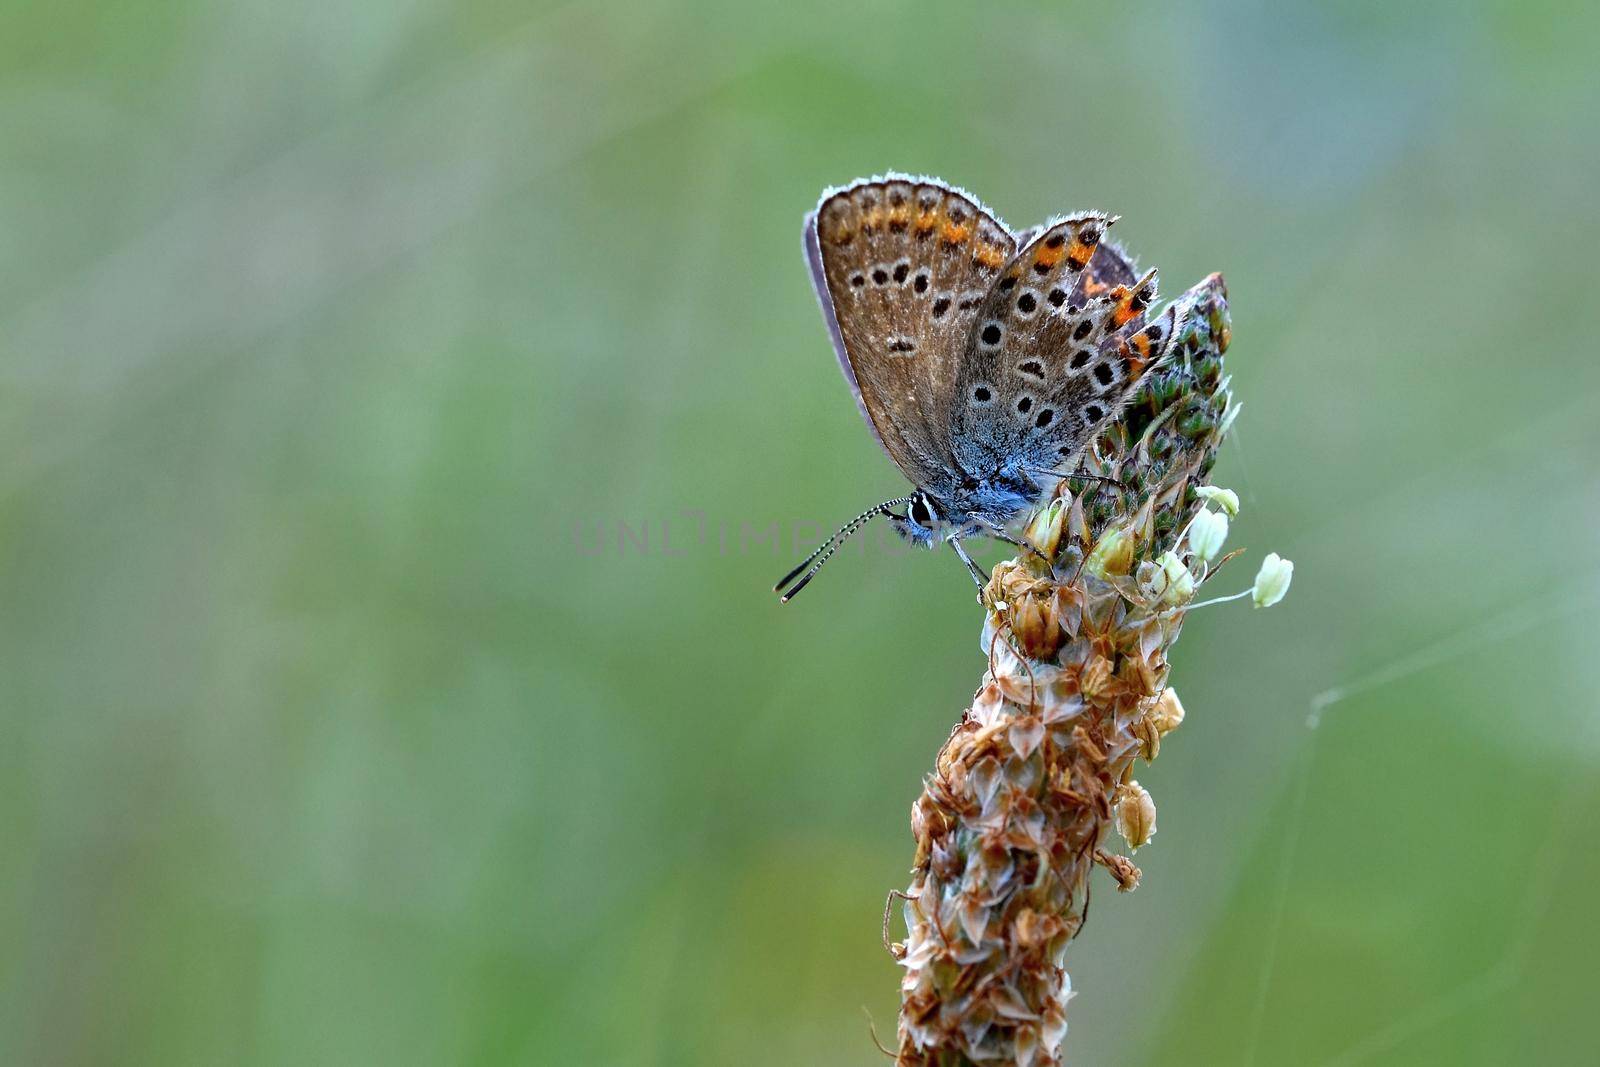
(920, 514)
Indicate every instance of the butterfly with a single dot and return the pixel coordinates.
(984, 361)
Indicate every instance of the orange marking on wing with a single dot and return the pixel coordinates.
(1078, 254)
(992, 256)
(955, 234)
(1047, 257)
(900, 213)
(872, 218)
(1124, 309)
(927, 219)
(1136, 361)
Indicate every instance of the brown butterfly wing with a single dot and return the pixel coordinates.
(901, 266)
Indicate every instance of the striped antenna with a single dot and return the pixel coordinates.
(829, 547)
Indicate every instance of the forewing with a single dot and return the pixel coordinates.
(901, 266)
(1057, 345)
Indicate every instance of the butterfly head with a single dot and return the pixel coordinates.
(970, 505)
(923, 523)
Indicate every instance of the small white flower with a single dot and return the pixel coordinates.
(1226, 499)
(1272, 580)
(1206, 534)
(1180, 583)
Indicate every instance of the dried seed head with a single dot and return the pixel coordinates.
(1167, 714)
(1033, 621)
(1095, 681)
(1033, 930)
(1136, 814)
(1026, 604)
(997, 593)
(1121, 868)
(1149, 738)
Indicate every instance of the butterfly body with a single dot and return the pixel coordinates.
(984, 361)
(978, 505)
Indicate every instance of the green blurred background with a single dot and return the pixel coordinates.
(343, 343)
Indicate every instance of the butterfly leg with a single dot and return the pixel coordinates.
(999, 532)
(1100, 479)
(1080, 475)
(972, 568)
